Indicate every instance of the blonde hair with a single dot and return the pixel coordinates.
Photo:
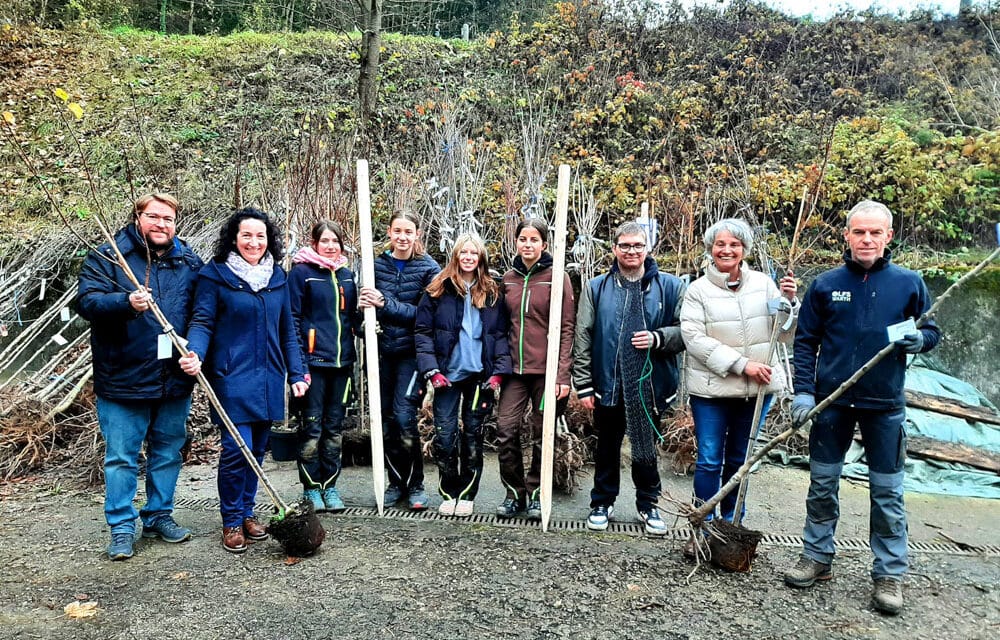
(167, 199)
(483, 291)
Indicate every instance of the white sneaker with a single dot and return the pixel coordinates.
(464, 508)
(599, 517)
(655, 526)
(447, 508)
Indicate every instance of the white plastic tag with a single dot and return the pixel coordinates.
(164, 348)
(900, 329)
(59, 340)
(64, 314)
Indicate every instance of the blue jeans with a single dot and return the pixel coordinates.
(237, 481)
(459, 454)
(722, 429)
(884, 439)
(125, 426)
(402, 394)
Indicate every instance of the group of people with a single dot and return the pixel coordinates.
(252, 330)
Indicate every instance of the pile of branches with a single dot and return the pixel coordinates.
(678, 444)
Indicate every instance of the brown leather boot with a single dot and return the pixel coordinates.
(254, 531)
(233, 540)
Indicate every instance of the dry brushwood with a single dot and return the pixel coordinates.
(678, 444)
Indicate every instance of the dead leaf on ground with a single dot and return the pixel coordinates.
(291, 560)
(181, 575)
(78, 610)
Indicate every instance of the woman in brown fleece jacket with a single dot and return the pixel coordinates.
(526, 289)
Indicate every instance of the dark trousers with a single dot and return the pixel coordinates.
(459, 453)
(610, 423)
(321, 433)
(518, 392)
(237, 481)
(402, 394)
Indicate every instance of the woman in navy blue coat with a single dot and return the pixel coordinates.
(242, 330)
(325, 309)
(462, 348)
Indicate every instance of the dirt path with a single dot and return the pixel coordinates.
(401, 578)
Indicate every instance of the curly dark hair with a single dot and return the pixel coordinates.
(227, 235)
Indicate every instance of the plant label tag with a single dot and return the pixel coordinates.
(59, 340)
(164, 348)
(41, 290)
(900, 329)
(64, 314)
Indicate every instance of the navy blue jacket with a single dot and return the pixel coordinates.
(327, 303)
(123, 342)
(595, 353)
(402, 291)
(842, 324)
(246, 341)
(439, 323)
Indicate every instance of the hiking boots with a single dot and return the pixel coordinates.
(534, 510)
(166, 528)
(314, 497)
(464, 508)
(655, 526)
(887, 595)
(331, 498)
(599, 517)
(510, 508)
(417, 499)
(806, 572)
(253, 530)
(121, 546)
(392, 495)
(233, 540)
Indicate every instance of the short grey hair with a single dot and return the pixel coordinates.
(735, 227)
(869, 205)
(630, 229)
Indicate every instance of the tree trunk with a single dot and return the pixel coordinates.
(191, 18)
(371, 42)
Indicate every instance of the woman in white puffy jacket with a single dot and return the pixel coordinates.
(727, 328)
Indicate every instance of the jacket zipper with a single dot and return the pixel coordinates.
(338, 302)
(520, 339)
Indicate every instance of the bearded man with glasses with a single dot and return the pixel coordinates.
(142, 394)
(625, 370)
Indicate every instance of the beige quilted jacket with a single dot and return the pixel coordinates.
(724, 329)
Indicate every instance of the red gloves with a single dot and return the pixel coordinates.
(438, 380)
(494, 382)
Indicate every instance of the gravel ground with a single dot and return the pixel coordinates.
(401, 578)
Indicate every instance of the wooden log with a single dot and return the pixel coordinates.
(371, 337)
(557, 246)
(951, 407)
(923, 447)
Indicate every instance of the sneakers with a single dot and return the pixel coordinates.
(166, 528)
(464, 508)
(233, 540)
(417, 499)
(510, 508)
(447, 508)
(806, 572)
(887, 595)
(655, 526)
(121, 546)
(599, 517)
(392, 495)
(253, 530)
(331, 498)
(313, 496)
(534, 510)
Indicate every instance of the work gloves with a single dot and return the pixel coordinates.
(911, 342)
(802, 404)
(438, 381)
(494, 382)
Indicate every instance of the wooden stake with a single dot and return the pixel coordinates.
(558, 247)
(371, 338)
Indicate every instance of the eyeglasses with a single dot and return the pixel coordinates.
(638, 247)
(164, 220)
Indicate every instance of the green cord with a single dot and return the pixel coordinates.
(646, 374)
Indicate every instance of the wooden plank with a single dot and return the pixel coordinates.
(557, 246)
(371, 337)
(951, 407)
(921, 447)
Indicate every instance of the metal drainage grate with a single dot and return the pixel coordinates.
(621, 528)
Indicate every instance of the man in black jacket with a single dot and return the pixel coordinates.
(847, 316)
(142, 394)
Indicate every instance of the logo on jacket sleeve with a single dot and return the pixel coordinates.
(841, 296)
